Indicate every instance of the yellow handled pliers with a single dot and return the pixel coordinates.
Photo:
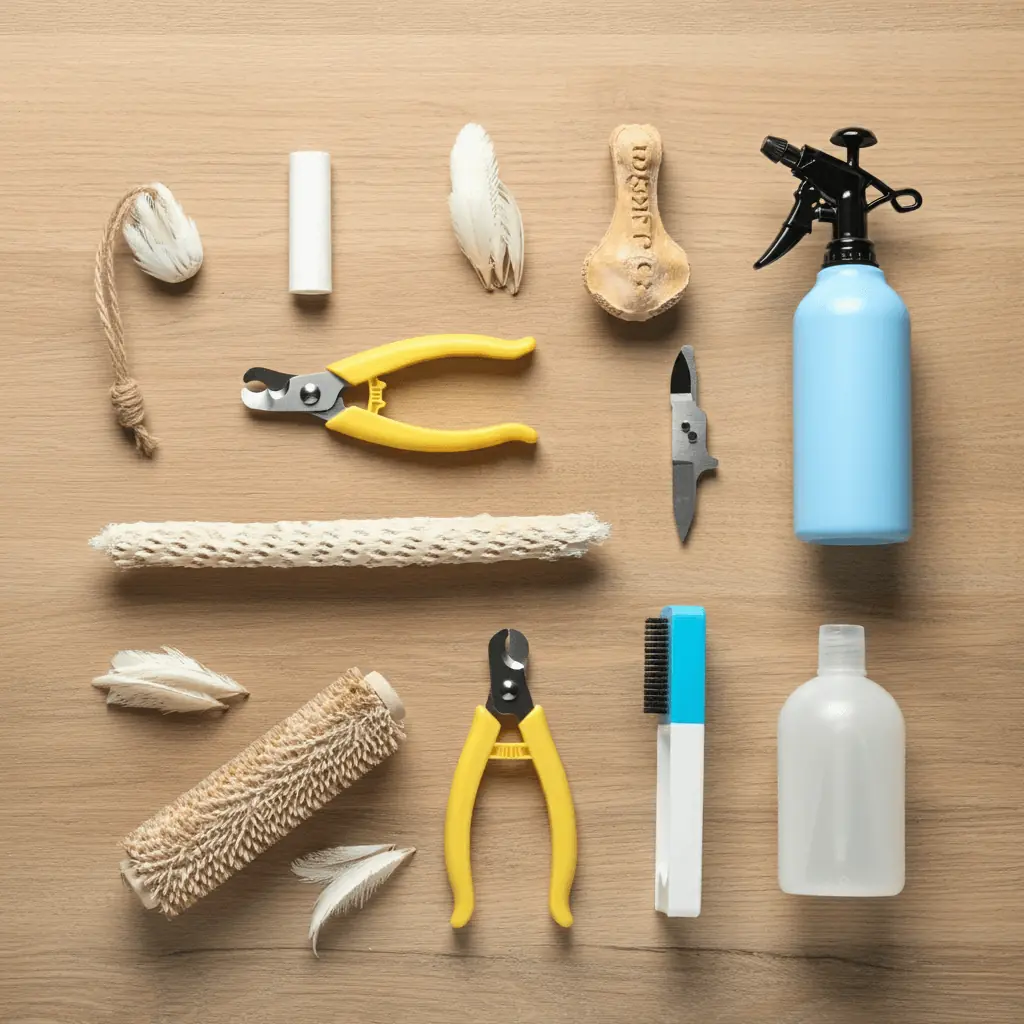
(509, 697)
(323, 394)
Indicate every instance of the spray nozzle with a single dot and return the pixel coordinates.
(833, 191)
(779, 151)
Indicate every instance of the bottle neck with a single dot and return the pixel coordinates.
(841, 649)
(850, 250)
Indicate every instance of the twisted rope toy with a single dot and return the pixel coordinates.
(125, 394)
(166, 245)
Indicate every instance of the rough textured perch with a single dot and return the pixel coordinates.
(347, 542)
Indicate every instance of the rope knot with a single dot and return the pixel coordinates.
(126, 398)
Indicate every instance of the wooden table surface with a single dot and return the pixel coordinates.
(209, 98)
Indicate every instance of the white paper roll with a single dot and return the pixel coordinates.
(309, 223)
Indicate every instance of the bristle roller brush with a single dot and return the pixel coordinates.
(193, 845)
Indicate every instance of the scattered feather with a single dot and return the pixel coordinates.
(485, 215)
(144, 693)
(178, 669)
(166, 681)
(163, 238)
(325, 865)
(515, 240)
(358, 872)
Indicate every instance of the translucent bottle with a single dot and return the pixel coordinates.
(841, 745)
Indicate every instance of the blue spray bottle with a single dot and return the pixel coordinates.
(851, 355)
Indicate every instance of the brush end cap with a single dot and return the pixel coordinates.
(387, 694)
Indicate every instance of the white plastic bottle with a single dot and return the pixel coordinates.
(841, 778)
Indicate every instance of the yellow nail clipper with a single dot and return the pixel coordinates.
(509, 697)
(323, 394)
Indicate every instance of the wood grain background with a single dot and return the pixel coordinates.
(210, 97)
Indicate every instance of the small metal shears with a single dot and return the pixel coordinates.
(509, 697)
(323, 394)
(690, 458)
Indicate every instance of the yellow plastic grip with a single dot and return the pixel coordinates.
(561, 813)
(376, 362)
(367, 426)
(458, 819)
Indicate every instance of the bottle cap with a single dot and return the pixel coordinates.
(841, 649)
(309, 223)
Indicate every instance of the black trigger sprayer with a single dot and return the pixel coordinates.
(851, 355)
(834, 192)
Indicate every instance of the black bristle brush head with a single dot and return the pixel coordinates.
(656, 666)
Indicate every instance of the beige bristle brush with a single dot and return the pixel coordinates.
(209, 833)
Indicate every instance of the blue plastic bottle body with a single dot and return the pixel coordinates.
(851, 410)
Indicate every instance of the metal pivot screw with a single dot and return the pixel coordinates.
(509, 690)
(309, 393)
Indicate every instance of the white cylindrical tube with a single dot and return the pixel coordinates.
(309, 223)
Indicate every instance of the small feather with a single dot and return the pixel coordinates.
(474, 175)
(325, 865)
(163, 238)
(463, 222)
(356, 884)
(474, 172)
(177, 669)
(512, 227)
(143, 693)
(485, 217)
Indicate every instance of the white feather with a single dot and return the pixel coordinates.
(515, 240)
(354, 885)
(144, 693)
(485, 216)
(324, 865)
(163, 238)
(176, 669)
(464, 224)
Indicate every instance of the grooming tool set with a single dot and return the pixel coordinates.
(840, 737)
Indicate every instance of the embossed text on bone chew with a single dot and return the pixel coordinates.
(642, 274)
(640, 195)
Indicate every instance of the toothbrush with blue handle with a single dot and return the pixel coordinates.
(674, 685)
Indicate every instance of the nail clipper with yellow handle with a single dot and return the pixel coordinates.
(509, 697)
(323, 394)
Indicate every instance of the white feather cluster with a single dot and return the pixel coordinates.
(166, 681)
(350, 876)
(163, 238)
(485, 215)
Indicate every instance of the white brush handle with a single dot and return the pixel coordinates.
(679, 830)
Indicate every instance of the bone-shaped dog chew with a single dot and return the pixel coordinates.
(636, 271)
